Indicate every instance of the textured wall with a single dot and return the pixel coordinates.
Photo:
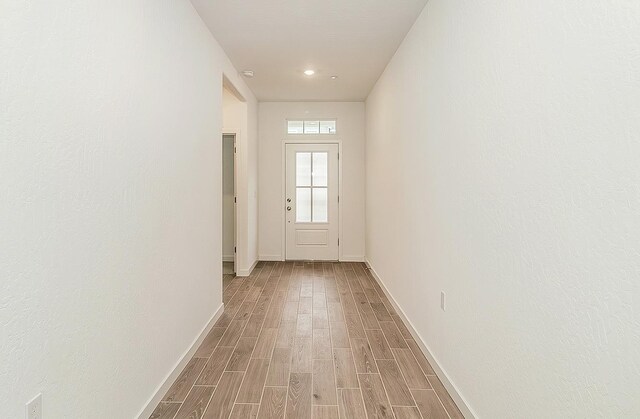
(110, 214)
(503, 167)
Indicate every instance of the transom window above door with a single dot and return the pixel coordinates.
(311, 187)
(311, 126)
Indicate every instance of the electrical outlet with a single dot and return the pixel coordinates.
(34, 408)
(443, 301)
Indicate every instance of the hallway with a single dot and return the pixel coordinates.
(307, 340)
(469, 168)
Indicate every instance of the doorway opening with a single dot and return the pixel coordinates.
(234, 200)
(228, 206)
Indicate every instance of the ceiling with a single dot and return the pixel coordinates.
(279, 39)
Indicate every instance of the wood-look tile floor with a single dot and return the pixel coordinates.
(307, 340)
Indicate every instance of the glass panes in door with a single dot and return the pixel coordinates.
(311, 187)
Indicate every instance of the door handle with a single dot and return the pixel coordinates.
(288, 208)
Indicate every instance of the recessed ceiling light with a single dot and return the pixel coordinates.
(309, 72)
(248, 73)
(334, 77)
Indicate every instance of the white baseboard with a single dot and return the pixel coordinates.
(177, 369)
(442, 375)
(352, 258)
(247, 272)
(228, 258)
(271, 258)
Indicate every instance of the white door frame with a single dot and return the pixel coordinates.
(283, 188)
(235, 133)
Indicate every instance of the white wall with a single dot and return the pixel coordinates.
(502, 168)
(272, 132)
(228, 223)
(110, 209)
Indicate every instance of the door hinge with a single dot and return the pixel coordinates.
(235, 149)
(235, 200)
(234, 249)
(338, 198)
(338, 241)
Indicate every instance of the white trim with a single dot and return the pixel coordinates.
(349, 258)
(279, 258)
(271, 258)
(283, 187)
(171, 377)
(247, 272)
(442, 375)
(237, 133)
(228, 258)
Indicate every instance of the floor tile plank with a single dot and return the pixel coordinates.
(363, 356)
(233, 333)
(286, 335)
(346, 376)
(273, 403)
(393, 335)
(165, 410)
(241, 355)
(299, 396)
(339, 335)
(254, 380)
(254, 325)
(215, 366)
(210, 342)
(335, 312)
(265, 344)
(397, 389)
(290, 312)
(321, 344)
(244, 411)
(224, 395)
(262, 305)
(279, 368)
(429, 404)
(245, 310)
(305, 305)
(410, 369)
(351, 404)
(320, 318)
(325, 412)
(354, 326)
(319, 300)
(374, 396)
(304, 326)
(406, 412)
(401, 326)
(324, 383)
(381, 313)
(379, 346)
(195, 403)
(301, 355)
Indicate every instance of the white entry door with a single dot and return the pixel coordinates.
(311, 201)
